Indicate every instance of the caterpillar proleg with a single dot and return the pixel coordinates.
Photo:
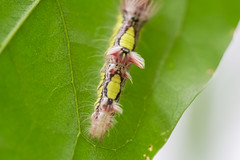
(118, 59)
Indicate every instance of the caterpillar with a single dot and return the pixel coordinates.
(118, 59)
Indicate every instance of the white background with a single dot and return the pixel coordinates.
(210, 127)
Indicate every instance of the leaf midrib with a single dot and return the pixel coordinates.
(72, 77)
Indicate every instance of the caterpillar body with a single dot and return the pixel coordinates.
(118, 59)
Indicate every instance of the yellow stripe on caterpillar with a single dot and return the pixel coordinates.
(102, 78)
(113, 87)
(116, 78)
(99, 92)
(96, 104)
(116, 30)
(128, 39)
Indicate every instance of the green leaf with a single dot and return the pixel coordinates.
(50, 56)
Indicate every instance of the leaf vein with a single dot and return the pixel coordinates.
(72, 77)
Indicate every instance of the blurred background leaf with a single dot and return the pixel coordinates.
(50, 56)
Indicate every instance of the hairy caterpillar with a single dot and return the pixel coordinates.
(118, 59)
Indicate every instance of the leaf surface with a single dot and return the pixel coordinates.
(50, 57)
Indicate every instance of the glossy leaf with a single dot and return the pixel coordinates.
(50, 56)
